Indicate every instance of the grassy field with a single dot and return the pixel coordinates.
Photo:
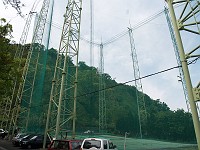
(181, 148)
(145, 144)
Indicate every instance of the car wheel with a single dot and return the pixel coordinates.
(29, 146)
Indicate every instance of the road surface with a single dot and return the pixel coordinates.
(7, 145)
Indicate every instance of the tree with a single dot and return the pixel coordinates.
(6, 58)
(9, 67)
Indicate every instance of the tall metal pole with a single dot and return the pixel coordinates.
(76, 75)
(91, 33)
(186, 72)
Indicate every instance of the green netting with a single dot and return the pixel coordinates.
(32, 115)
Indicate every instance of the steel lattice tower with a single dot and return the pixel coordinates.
(21, 110)
(187, 20)
(102, 101)
(62, 104)
(142, 115)
(182, 79)
(18, 55)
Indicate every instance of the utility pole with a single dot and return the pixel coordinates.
(62, 104)
(181, 24)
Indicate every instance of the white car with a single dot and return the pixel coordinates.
(97, 144)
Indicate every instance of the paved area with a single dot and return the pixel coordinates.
(7, 145)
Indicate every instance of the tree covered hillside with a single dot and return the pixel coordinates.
(122, 111)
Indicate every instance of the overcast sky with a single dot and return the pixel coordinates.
(152, 41)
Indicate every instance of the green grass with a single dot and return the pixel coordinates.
(143, 144)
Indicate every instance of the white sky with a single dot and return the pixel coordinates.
(152, 41)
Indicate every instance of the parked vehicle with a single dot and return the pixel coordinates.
(17, 137)
(35, 142)
(65, 144)
(97, 144)
(25, 137)
(3, 133)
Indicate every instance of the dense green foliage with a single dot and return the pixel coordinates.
(122, 115)
(9, 67)
(6, 59)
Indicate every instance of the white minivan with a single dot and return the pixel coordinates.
(97, 144)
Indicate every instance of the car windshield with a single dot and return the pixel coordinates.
(20, 135)
(92, 143)
(76, 145)
(34, 137)
(60, 144)
(25, 136)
